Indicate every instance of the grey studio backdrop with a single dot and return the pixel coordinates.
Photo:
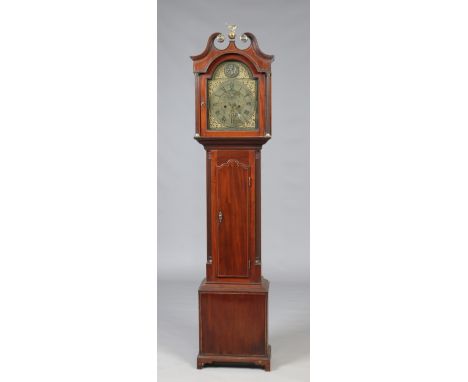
(282, 29)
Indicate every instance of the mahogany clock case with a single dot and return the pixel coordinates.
(259, 64)
(233, 298)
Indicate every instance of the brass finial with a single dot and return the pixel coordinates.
(232, 31)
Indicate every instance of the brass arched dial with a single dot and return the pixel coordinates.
(232, 98)
(232, 104)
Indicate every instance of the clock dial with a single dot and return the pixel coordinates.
(232, 98)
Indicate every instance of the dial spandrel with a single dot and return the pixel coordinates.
(232, 98)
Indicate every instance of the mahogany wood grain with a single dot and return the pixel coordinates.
(233, 299)
(253, 53)
(233, 241)
(203, 94)
(234, 323)
(233, 203)
(204, 66)
(224, 324)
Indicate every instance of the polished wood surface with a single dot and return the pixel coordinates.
(258, 62)
(203, 112)
(233, 298)
(224, 320)
(234, 323)
(219, 359)
(233, 202)
(232, 190)
(253, 53)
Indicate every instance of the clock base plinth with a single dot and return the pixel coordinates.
(231, 360)
(233, 324)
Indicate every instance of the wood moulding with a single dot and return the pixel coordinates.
(232, 141)
(261, 361)
(233, 298)
(212, 287)
(247, 341)
(262, 61)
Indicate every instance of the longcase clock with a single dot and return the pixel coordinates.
(233, 122)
